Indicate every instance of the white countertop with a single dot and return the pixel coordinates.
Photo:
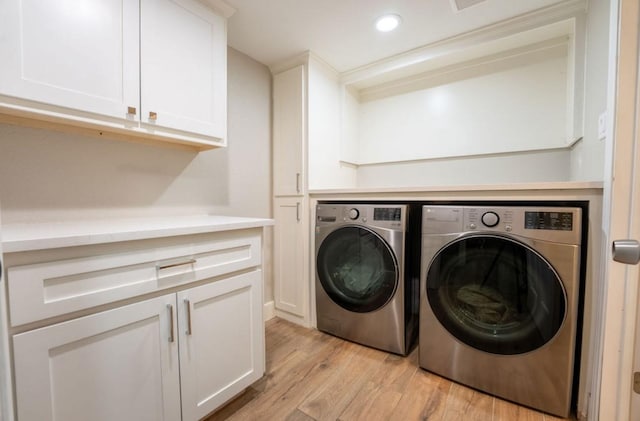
(556, 185)
(40, 236)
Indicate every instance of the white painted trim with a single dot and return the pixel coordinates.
(535, 19)
(612, 374)
(221, 7)
(554, 47)
(292, 318)
(569, 145)
(303, 59)
(6, 395)
(269, 311)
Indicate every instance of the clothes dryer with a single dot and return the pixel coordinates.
(366, 281)
(499, 294)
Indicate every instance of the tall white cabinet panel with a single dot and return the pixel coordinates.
(291, 250)
(183, 67)
(221, 342)
(79, 55)
(289, 132)
(120, 364)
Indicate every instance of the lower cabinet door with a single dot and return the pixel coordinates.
(221, 341)
(120, 364)
(290, 261)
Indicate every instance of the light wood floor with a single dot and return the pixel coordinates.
(314, 376)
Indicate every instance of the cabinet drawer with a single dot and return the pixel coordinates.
(45, 290)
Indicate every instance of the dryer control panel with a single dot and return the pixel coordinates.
(555, 224)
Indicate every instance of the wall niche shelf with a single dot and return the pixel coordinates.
(509, 88)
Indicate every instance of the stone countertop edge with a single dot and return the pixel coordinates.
(559, 185)
(48, 235)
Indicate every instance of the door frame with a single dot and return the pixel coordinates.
(611, 390)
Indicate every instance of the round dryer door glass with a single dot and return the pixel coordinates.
(357, 269)
(496, 294)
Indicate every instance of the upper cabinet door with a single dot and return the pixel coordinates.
(183, 68)
(289, 133)
(78, 55)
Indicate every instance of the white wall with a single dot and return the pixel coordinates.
(587, 159)
(51, 176)
(504, 107)
(325, 169)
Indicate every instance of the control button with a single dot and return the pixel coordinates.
(472, 226)
(490, 219)
(353, 213)
(364, 219)
(508, 228)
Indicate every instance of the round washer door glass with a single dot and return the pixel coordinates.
(357, 269)
(496, 294)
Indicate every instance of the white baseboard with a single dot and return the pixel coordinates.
(292, 318)
(269, 311)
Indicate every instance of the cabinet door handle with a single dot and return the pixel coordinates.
(298, 182)
(131, 110)
(298, 211)
(153, 116)
(188, 305)
(171, 327)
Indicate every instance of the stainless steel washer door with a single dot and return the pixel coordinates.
(496, 294)
(357, 269)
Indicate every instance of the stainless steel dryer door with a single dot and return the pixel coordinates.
(357, 269)
(496, 294)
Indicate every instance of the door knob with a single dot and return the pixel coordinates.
(626, 251)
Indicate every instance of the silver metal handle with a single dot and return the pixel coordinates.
(298, 211)
(172, 265)
(626, 251)
(171, 327)
(298, 182)
(188, 305)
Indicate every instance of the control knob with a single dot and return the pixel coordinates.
(490, 219)
(353, 213)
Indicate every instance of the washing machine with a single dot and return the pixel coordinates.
(499, 294)
(367, 279)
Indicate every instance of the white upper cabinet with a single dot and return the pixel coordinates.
(183, 67)
(78, 55)
(153, 69)
(289, 132)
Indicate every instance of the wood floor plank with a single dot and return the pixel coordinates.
(424, 399)
(507, 411)
(330, 400)
(326, 365)
(312, 376)
(396, 372)
(373, 402)
(468, 404)
(284, 380)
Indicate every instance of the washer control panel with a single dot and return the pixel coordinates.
(379, 215)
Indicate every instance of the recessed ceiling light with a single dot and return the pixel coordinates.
(387, 23)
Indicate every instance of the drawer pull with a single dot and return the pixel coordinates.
(172, 265)
(188, 305)
(153, 116)
(171, 327)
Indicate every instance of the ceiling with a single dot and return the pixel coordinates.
(342, 33)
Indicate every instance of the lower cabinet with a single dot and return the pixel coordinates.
(177, 356)
(290, 239)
